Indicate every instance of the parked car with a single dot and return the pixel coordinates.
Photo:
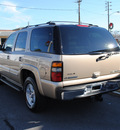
(60, 61)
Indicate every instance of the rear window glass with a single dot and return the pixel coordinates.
(82, 40)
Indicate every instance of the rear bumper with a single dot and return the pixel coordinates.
(86, 90)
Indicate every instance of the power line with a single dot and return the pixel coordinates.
(51, 9)
(92, 12)
(38, 8)
(93, 4)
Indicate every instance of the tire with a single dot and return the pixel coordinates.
(34, 101)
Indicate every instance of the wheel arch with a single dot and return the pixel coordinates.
(31, 71)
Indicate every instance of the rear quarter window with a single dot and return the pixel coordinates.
(41, 38)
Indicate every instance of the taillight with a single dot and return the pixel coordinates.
(57, 71)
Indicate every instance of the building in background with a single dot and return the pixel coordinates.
(4, 34)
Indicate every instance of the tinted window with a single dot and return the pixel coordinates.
(41, 40)
(82, 40)
(21, 41)
(9, 43)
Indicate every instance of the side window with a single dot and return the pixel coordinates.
(41, 40)
(9, 43)
(21, 41)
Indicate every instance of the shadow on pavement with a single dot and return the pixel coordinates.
(75, 114)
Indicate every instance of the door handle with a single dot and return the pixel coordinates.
(20, 58)
(8, 57)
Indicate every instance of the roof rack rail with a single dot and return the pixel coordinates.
(50, 23)
(93, 25)
(82, 23)
(53, 22)
(27, 26)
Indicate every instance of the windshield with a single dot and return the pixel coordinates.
(83, 40)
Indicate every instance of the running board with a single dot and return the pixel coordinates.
(11, 84)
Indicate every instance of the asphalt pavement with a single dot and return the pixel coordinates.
(80, 114)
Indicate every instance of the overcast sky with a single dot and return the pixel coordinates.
(92, 11)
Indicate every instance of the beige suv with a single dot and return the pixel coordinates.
(60, 62)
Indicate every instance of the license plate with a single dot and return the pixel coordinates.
(92, 88)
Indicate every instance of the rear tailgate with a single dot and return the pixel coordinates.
(86, 66)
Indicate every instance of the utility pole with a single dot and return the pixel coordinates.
(79, 11)
(28, 24)
(108, 4)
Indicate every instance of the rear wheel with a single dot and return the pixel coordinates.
(34, 101)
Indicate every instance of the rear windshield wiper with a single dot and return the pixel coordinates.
(98, 52)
